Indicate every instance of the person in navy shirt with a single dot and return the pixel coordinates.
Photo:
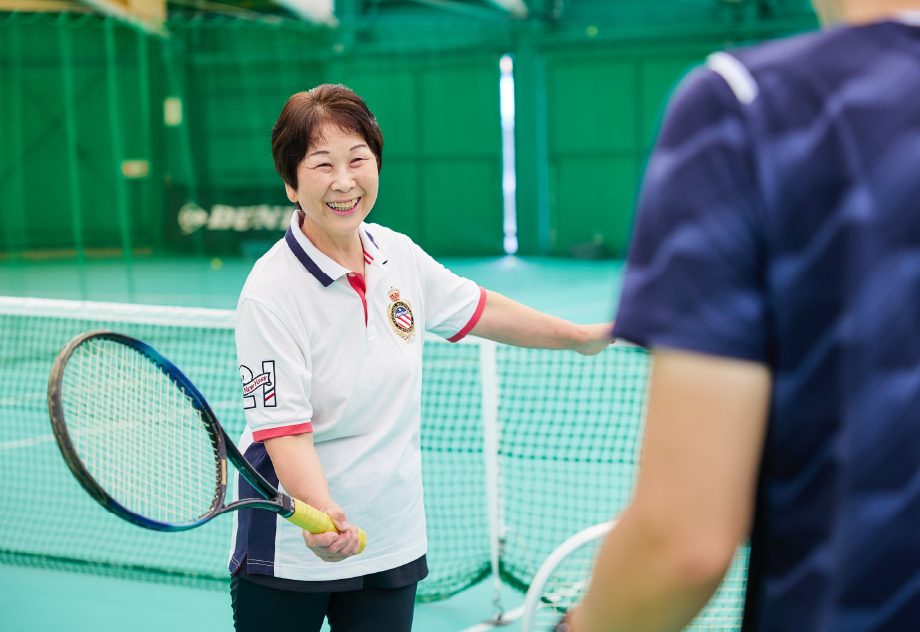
(775, 275)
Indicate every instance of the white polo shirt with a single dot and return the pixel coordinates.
(322, 352)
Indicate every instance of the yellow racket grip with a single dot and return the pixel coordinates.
(315, 521)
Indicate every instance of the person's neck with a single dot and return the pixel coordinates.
(868, 11)
(345, 249)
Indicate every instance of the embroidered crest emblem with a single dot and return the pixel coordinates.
(400, 317)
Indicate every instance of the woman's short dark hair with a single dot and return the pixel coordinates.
(303, 117)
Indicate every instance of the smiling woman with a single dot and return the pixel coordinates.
(328, 149)
(336, 189)
(331, 319)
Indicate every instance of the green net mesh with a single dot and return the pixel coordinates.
(569, 430)
(452, 459)
(43, 511)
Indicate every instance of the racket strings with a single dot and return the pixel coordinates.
(571, 578)
(137, 433)
(567, 584)
(726, 608)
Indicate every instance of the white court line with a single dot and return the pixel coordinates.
(18, 399)
(48, 438)
(508, 617)
(26, 443)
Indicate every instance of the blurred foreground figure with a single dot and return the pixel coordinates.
(775, 274)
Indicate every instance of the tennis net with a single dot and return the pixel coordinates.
(521, 448)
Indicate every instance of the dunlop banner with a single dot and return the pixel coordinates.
(238, 222)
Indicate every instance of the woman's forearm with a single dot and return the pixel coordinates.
(302, 476)
(299, 469)
(510, 322)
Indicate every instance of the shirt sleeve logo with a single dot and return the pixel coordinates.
(400, 317)
(264, 382)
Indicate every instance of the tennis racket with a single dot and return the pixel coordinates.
(564, 578)
(143, 442)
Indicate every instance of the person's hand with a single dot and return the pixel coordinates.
(332, 546)
(565, 623)
(595, 338)
(571, 621)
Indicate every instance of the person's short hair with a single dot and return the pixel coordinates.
(302, 120)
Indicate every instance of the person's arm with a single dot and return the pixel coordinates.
(301, 474)
(510, 322)
(694, 497)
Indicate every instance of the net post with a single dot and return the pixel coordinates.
(488, 375)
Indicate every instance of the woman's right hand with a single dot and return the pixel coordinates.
(334, 546)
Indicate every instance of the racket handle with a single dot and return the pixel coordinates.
(315, 521)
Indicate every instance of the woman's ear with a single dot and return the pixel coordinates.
(291, 193)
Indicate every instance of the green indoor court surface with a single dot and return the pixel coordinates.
(583, 291)
(39, 600)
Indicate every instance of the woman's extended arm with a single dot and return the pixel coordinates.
(507, 321)
(301, 474)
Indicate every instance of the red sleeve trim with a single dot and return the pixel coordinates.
(284, 431)
(475, 319)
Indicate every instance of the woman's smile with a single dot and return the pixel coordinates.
(344, 208)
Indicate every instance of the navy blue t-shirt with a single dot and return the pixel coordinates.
(779, 222)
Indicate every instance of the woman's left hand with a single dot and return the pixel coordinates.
(594, 339)
(332, 546)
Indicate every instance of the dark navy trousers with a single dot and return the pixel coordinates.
(257, 608)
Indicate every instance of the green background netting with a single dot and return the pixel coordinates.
(81, 95)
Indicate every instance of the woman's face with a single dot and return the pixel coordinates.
(336, 183)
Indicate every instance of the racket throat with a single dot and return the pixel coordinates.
(287, 506)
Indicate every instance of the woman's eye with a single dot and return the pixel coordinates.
(358, 160)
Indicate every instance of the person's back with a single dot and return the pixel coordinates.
(837, 160)
(780, 226)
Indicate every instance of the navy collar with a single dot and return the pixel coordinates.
(324, 269)
(305, 259)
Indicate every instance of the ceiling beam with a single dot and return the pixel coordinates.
(149, 15)
(463, 8)
(43, 6)
(318, 11)
(516, 8)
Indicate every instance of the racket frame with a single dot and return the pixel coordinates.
(534, 595)
(224, 448)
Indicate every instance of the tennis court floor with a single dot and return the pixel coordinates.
(579, 290)
(33, 599)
